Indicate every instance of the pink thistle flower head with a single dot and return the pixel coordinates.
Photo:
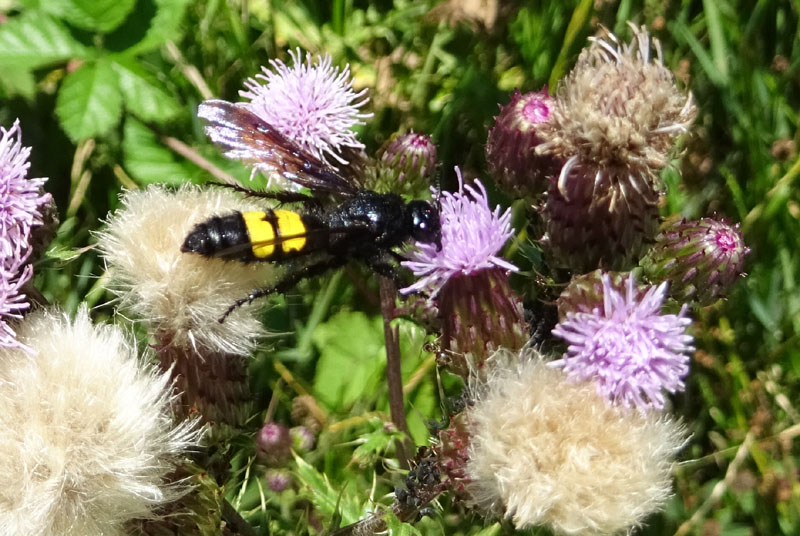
(632, 351)
(20, 197)
(472, 234)
(313, 104)
(21, 201)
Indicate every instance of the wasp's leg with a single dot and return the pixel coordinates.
(281, 197)
(287, 283)
(381, 265)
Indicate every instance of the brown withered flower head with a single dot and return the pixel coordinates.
(614, 124)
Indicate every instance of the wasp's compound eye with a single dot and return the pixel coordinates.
(425, 223)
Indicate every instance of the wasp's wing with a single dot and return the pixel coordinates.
(244, 136)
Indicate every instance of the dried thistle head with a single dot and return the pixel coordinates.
(546, 451)
(619, 108)
(180, 295)
(87, 439)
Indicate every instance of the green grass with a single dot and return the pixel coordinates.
(98, 100)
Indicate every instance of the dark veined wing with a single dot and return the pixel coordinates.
(244, 136)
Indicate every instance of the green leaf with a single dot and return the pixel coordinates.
(89, 103)
(148, 161)
(318, 490)
(34, 39)
(399, 528)
(17, 80)
(142, 92)
(374, 444)
(96, 15)
(165, 25)
(352, 358)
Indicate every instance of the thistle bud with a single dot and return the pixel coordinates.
(302, 438)
(452, 453)
(701, 259)
(274, 444)
(278, 480)
(510, 149)
(407, 164)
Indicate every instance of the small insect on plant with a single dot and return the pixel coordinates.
(361, 224)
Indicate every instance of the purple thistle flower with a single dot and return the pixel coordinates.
(12, 301)
(472, 234)
(20, 198)
(628, 347)
(313, 105)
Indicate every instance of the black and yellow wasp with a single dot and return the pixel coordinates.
(364, 225)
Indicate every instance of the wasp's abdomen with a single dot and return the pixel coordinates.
(249, 236)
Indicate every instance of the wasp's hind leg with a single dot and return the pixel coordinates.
(287, 283)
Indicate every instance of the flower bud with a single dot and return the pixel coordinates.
(510, 149)
(278, 480)
(407, 164)
(302, 438)
(701, 259)
(274, 444)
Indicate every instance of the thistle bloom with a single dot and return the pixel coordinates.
(12, 301)
(468, 281)
(87, 440)
(312, 104)
(544, 450)
(632, 351)
(21, 202)
(181, 296)
(472, 234)
(20, 198)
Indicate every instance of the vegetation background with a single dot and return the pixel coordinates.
(106, 91)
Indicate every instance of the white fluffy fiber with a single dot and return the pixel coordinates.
(549, 452)
(86, 433)
(181, 295)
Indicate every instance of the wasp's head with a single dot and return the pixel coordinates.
(425, 224)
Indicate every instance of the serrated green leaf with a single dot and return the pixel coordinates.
(96, 15)
(17, 80)
(34, 39)
(148, 161)
(143, 96)
(327, 499)
(352, 358)
(89, 103)
(375, 443)
(165, 25)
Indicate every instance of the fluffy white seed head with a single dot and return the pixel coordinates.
(181, 295)
(87, 438)
(546, 451)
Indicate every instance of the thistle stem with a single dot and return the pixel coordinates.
(394, 376)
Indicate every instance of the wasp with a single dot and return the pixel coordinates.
(362, 224)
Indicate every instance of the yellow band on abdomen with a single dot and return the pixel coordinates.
(261, 232)
(291, 224)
